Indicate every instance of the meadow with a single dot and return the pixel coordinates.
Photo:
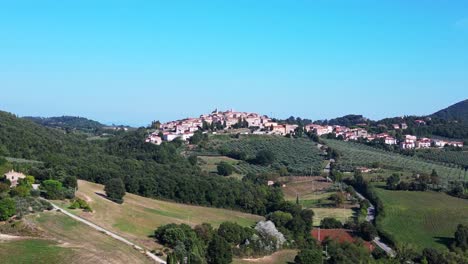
(32, 251)
(422, 219)
(356, 154)
(138, 217)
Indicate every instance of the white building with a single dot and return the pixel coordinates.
(14, 177)
(390, 141)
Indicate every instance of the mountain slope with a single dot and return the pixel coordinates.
(458, 111)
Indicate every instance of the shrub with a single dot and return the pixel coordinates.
(330, 223)
(78, 203)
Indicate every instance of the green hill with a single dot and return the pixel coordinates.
(146, 169)
(458, 111)
(67, 122)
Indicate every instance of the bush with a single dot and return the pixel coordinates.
(330, 223)
(78, 203)
(309, 256)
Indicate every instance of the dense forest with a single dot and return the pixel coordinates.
(146, 169)
(67, 122)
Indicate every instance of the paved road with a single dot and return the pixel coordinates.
(109, 233)
(370, 218)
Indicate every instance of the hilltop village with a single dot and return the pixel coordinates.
(231, 121)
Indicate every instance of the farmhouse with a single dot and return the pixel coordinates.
(390, 141)
(154, 139)
(423, 143)
(455, 144)
(439, 143)
(407, 144)
(14, 177)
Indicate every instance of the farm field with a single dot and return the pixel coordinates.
(313, 194)
(444, 156)
(64, 240)
(138, 217)
(356, 154)
(341, 214)
(300, 156)
(280, 257)
(422, 219)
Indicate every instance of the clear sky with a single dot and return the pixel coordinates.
(135, 61)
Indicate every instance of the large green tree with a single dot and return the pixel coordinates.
(115, 190)
(7, 208)
(219, 251)
(461, 237)
(53, 189)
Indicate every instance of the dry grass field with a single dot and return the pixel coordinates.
(138, 217)
(64, 240)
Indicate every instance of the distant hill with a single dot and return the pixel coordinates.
(67, 122)
(347, 120)
(458, 111)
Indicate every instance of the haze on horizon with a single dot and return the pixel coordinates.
(133, 62)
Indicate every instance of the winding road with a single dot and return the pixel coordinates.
(370, 218)
(111, 234)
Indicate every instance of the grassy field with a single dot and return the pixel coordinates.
(32, 251)
(356, 154)
(423, 219)
(280, 257)
(299, 156)
(64, 240)
(138, 217)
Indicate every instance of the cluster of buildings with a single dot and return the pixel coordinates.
(408, 142)
(185, 128)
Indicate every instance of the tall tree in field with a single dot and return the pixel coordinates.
(461, 237)
(219, 251)
(115, 190)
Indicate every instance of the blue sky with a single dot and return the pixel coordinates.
(135, 61)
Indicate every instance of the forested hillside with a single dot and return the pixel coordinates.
(146, 169)
(67, 123)
(458, 111)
